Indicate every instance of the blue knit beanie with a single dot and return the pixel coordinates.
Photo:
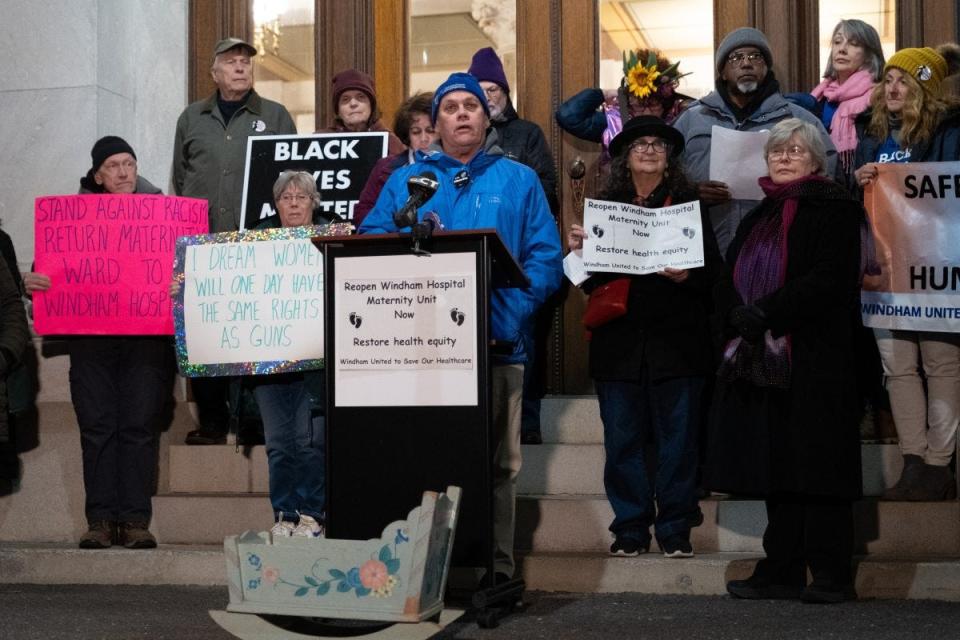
(458, 82)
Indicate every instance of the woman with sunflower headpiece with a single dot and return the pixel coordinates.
(648, 88)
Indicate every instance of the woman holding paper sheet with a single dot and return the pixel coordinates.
(650, 365)
(291, 404)
(784, 423)
(120, 386)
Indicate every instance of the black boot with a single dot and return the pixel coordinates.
(908, 487)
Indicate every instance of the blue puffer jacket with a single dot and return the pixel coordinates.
(502, 195)
(579, 115)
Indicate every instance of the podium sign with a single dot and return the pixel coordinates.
(408, 380)
(406, 331)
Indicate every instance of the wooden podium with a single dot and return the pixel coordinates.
(408, 379)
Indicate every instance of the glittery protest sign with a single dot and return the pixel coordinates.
(109, 258)
(251, 302)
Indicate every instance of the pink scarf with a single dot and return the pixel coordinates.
(854, 97)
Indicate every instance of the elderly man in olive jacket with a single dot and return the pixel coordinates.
(210, 146)
(209, 156)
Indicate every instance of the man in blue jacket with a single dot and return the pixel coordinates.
(481, 188)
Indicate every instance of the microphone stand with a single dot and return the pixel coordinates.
(421, 232)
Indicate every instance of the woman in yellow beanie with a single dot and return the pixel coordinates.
(911, 121)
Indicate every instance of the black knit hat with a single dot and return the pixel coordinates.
(108, 146)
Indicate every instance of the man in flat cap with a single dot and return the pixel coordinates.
(209, 155)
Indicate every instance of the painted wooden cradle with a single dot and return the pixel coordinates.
(400, 577)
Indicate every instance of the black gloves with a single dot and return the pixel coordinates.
(749, 321)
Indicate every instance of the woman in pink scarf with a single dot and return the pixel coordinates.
(856, 61)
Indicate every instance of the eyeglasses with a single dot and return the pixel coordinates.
(736, 59)
(113, 167)
(492, 91)
(657, 146)
(299, 197)
(796, 152)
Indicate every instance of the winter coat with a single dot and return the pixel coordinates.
(210, 155)
(378, 177)
(804, 439)
(665, 331)
(501, 194)
(143, 186)
(696, 124)
(523, 141)
(394, 144)
(943, 146)
(14, 336)
(579, 115)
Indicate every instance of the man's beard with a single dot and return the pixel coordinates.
(747, 87)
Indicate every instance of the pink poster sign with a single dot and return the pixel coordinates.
(110, 259)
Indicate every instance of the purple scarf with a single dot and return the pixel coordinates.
(760, 270)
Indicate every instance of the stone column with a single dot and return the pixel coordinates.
(76, 70)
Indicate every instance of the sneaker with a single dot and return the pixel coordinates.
(676, 547)
(308, 528)
(627, 546)
(135, 535)
(100, 535)
(283, 529)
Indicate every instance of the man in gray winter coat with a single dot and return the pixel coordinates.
(747, 98)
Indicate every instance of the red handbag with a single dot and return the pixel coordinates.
(607, 302)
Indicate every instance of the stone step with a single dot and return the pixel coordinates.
(555, 524)
(548, 469)
(570, 420)
(705, 574)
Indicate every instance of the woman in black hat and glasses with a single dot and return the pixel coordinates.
(651, 363)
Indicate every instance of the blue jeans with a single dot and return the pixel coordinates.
(294, 433)
(669, 411)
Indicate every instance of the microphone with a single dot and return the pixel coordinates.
(421, 188)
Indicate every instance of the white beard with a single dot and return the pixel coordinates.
(747, 87)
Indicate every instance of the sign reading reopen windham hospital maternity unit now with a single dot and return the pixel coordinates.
(624, 238)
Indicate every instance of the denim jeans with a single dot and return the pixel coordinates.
(669, 411)
(294, 433)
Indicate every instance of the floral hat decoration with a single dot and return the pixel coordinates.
(648, 80)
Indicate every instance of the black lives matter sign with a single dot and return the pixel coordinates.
(339, 162)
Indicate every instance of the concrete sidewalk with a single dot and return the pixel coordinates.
(114, 612)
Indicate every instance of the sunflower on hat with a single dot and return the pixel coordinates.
(645, 80)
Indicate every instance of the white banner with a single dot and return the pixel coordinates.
(406, 330)
(624, 238)
(253, 301)
(913, 276)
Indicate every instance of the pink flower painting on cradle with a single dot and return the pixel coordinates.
(373, 574)
(271, 574)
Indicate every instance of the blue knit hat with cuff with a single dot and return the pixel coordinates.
(458, 82)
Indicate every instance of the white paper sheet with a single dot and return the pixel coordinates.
(737, 159)
(573, 268)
